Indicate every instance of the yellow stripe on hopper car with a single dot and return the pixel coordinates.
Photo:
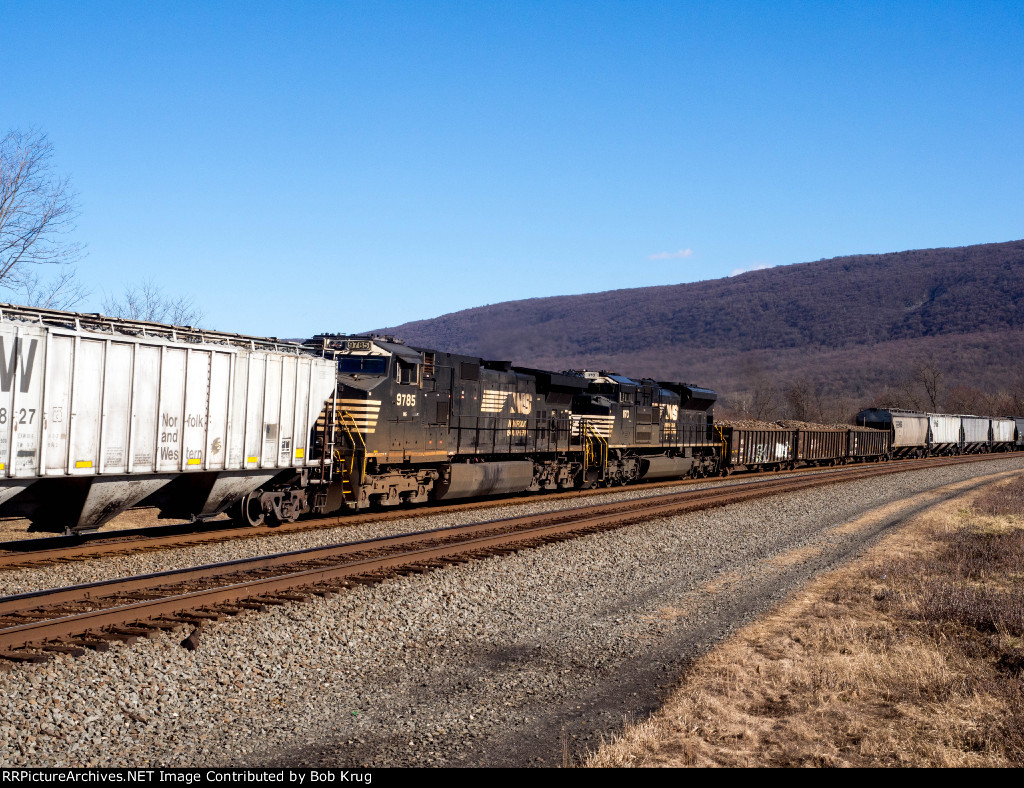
(83, 464)
(250, 459)
(193, 462)
(300, 453)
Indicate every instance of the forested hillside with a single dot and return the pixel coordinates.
(931, 328)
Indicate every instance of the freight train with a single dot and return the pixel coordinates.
(98, 415)
(919, 434)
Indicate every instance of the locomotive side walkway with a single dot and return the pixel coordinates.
(481, 663)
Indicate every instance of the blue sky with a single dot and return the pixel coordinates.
(301, 167)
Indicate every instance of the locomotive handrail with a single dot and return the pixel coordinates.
(725, 443)
(348, 423)
(591, 439)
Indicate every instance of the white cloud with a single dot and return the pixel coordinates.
(672, 255)
(755, 267)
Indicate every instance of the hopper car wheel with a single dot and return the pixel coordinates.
(250, 511)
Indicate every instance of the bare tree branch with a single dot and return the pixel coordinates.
(37, 208)
(929, 374)
(764, 400)
(147, 301)
(63, 290)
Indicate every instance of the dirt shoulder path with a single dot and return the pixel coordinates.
(574, 641)
(911, 655)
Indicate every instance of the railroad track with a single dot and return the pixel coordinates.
(35, 625)
(44, 551)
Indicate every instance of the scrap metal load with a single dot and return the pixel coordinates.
(769, 447)
(98, 415)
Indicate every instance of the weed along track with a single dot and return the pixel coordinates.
(73, 619)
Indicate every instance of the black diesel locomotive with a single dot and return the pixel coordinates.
(408, 425)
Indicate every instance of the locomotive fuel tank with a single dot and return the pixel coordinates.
(463, 480)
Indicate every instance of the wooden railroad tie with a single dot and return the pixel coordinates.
(286, 597)
(24, 656)
(90, 643)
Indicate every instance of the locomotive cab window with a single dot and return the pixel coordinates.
(406, 373)
(362, 365)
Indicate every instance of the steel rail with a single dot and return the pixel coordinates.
(647, 507)
(34, 552)
(23, 553)
(407, 551)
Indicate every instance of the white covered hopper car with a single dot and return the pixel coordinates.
(921, 434)
(98, 415)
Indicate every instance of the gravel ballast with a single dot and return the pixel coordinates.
(25, 580)
(515, 660)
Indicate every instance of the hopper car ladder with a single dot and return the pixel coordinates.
(327, 425)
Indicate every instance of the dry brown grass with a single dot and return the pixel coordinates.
(911, 656)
